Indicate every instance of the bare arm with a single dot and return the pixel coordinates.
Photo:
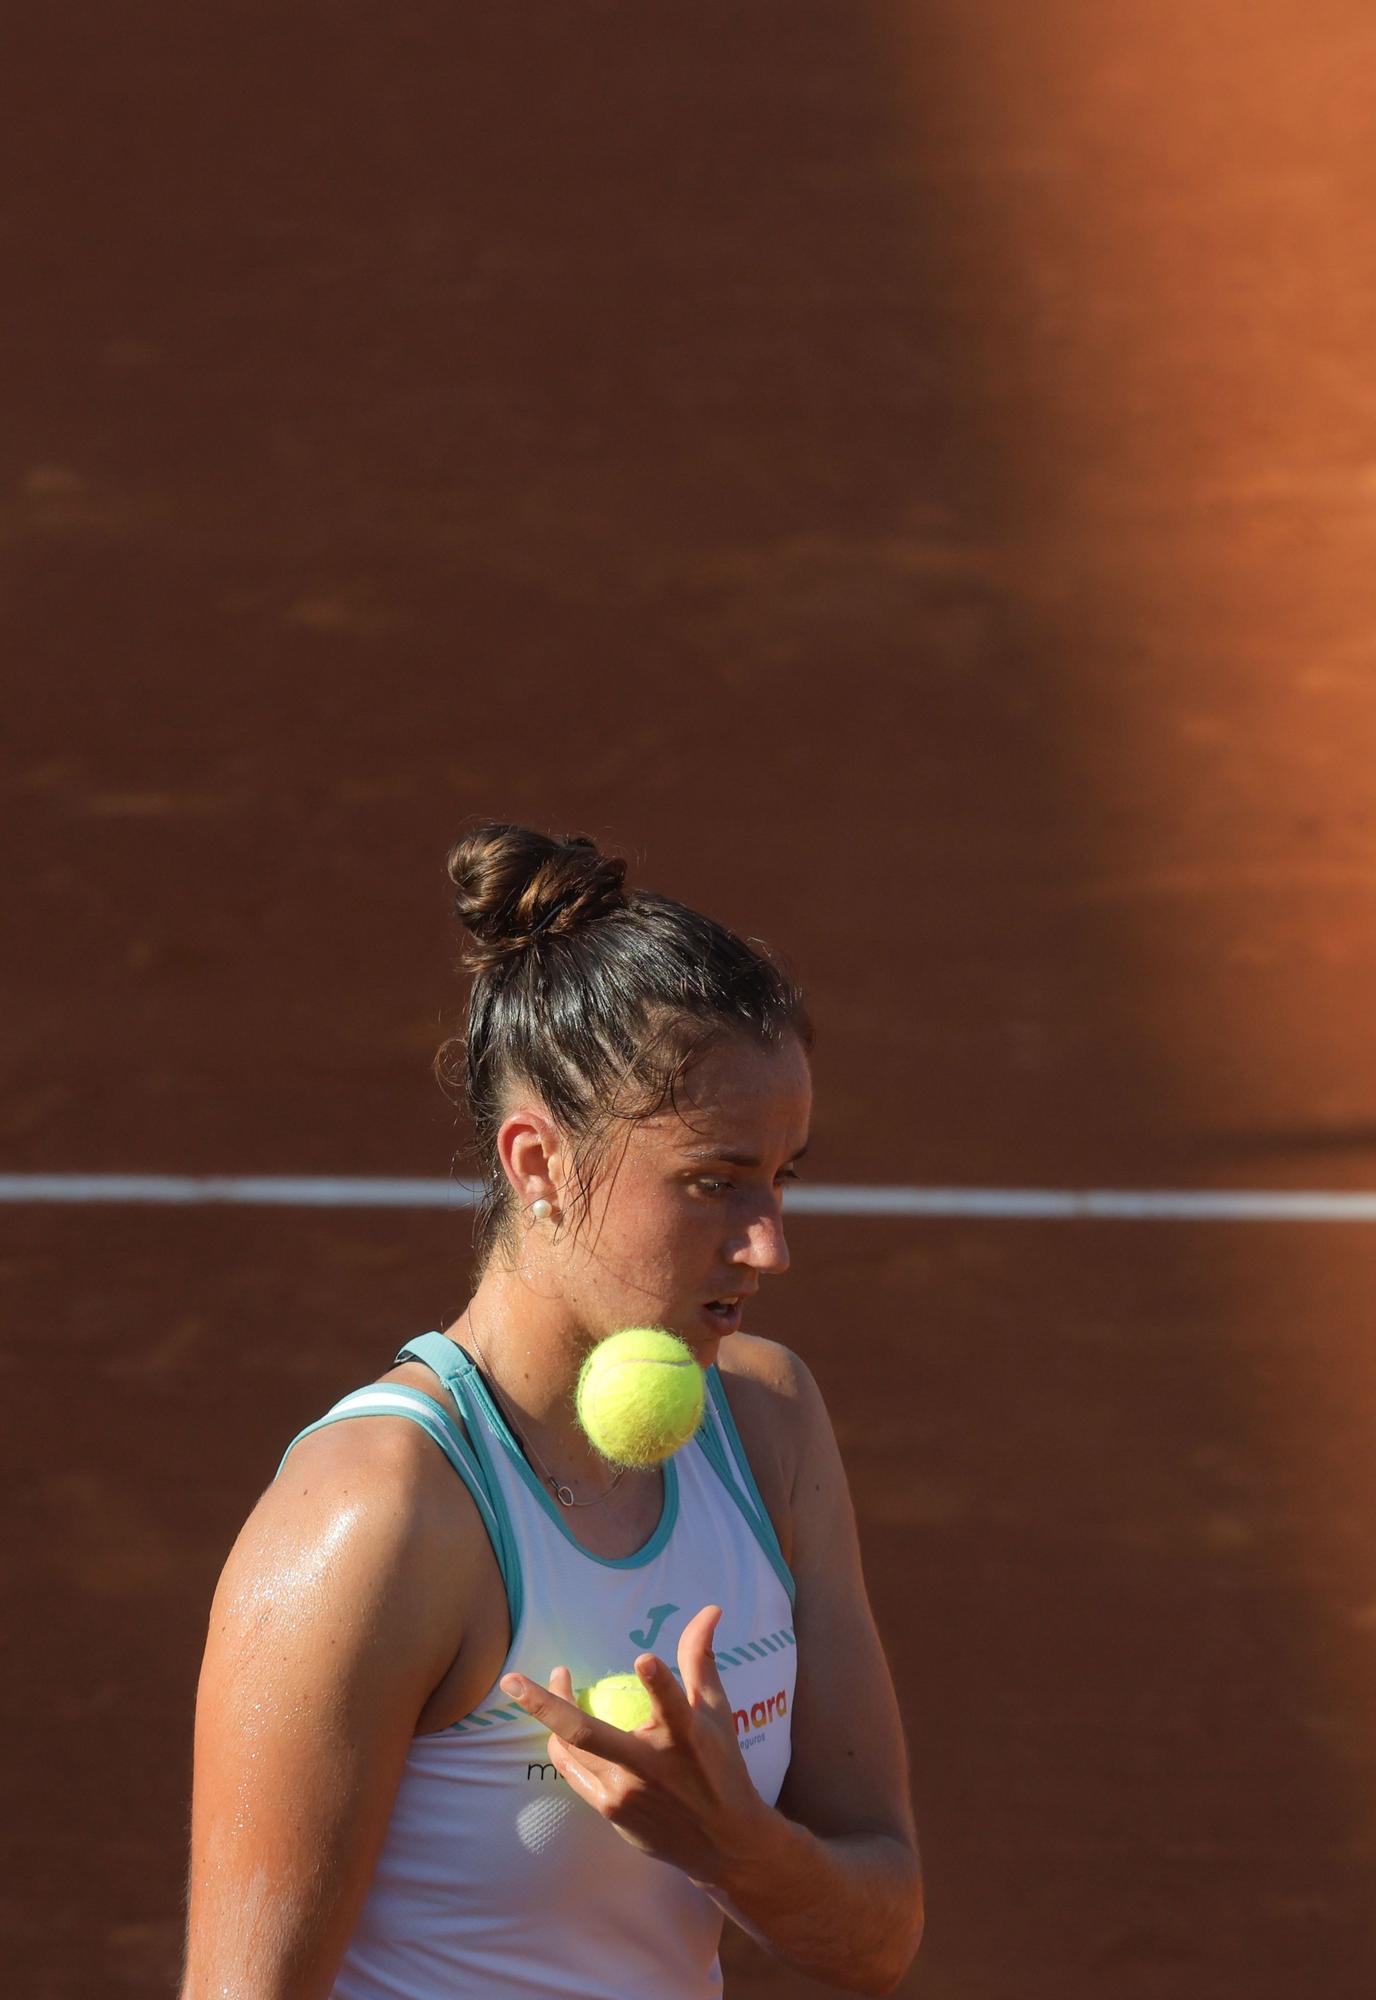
(327, 1634)
(836, 1884)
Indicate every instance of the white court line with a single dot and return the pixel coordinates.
(1033, 1204)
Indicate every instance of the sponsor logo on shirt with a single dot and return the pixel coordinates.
(758, 1717)
(654, 1618)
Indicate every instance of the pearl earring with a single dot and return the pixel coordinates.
(541, 1210)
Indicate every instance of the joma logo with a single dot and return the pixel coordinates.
(655, 1618)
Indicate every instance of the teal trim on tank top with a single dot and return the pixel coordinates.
(386, 1399)
(753, 1507)
(466, 1372)
(456, 1371)
(461, 1375)
(471, 1457)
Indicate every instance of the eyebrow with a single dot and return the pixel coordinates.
(737, 1159)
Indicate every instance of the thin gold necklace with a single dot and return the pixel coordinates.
(563, 1492)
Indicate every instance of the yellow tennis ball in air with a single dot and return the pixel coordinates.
(640, 1395)
(620, 1699)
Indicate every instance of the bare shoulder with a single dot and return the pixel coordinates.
(777, 1407)
(380, 1475)
(365, 1514)
(765, 1378)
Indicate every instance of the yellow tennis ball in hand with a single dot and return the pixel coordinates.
(621, 1699)
(640, 1395)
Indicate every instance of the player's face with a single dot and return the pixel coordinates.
(689, 1208)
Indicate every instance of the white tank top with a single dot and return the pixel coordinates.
(495, 1879)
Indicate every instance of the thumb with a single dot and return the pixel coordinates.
(697, 1662)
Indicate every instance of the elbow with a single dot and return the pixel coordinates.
(885, 1978)
(884, 1972)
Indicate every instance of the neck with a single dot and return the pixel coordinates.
(531, 1350)
(534, 1346)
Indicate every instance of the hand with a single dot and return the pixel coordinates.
(677, 1787)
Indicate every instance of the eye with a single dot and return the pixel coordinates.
(715, 1187)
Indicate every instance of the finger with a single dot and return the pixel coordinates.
(565, 1719)
(589, 1779)
(668, 1703)
(561, 1683)
(697, 1662)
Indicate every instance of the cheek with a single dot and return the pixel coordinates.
(649, 1242)
(667, 1244)
(654, 1235)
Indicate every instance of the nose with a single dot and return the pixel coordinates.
(765, 1248)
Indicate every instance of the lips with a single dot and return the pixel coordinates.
(724, 1315)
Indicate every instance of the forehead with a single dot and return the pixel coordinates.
(739, 1087)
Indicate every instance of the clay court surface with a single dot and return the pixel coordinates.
(906, 478)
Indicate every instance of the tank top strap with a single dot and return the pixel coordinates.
(443, 1357)
(720, 1444)
(468, 1391)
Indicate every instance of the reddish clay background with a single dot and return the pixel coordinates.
(905, 476)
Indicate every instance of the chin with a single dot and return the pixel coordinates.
(704, 1345)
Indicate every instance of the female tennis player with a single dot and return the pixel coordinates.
(396, 1795)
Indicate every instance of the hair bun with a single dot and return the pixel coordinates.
(513, 886)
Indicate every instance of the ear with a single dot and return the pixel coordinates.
(532, 1154)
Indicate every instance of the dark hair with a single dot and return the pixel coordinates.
(598, 996)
